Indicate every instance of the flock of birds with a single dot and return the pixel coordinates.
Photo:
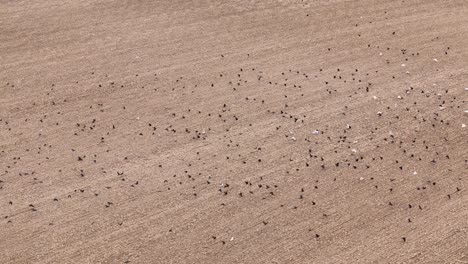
(296, 138)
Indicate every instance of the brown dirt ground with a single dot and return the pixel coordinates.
(325, 131)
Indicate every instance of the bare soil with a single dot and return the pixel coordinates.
(326, 131)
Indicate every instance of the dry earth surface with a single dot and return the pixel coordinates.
(288, 131)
